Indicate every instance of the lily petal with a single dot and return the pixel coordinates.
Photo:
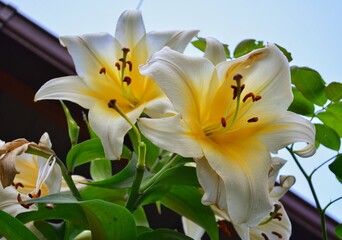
(169, 134)
(111, 127)
(214, 51)
(288, 129)
(69, 88)
(191, 229)
(130, 28)
(160, 107)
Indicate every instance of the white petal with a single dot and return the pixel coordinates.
(288, 129)
(160, 107)
(130, 28)
(185, 80)
(9, 203)
(244, 174)
(192, 230)
(45, 140)
(214, 51)
(177, 40)
(70, 88)
(111, 127)
(277, 164)
(170, 134)
(286, 182)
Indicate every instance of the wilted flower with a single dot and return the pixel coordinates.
(230, 117)
(108, 74)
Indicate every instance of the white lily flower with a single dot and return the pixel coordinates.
(230, 117)
(107, 69)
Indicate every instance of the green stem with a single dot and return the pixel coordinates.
(173, 159)
(321, 165)
(309, 180)
(326, 207)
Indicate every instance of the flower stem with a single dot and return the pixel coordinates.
(313, 191)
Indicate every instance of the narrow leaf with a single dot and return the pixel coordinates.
(327, 137)
(162, 234)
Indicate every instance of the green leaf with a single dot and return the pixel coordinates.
(336, 167)
(310, 83)
(73, 128)
(85, 152)
(300, 104)
(109, 220)
(201, 44)
(54, 198)
(331, 121)
(12, 228)
(178, 176)
(140, 217)
(110, 195)
(338, 231)
(246, 46)
(285, 52)
(186, 201)
(50, 231)
(163, 234)
(334, 91)
(327, 137)
(100, 169)
(122, 179)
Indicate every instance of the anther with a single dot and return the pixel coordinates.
(35, 195)
(237, 77)
(234, 91)
(25, 205)
(277, 234)
(117, 65)
(253, 119)
(256, 98)
(264, 236)
(242, 87)
(17, 185)
(278, 216)
(103, 70)
(111, 103)
(130, 65)
(223, 122)
(127, 80)
(248, 95)
(125, 50)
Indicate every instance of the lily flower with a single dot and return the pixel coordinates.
(108, 74)
(230, 116)
(27, 174)
(276, 225)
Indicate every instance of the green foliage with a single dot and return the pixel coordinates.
(186, 201)
(338, 231)
(247, 46)
(162, 234)
(287, 54)
(300, 104)
(201, 44)
(100, 169)
(327, 137)
(334, 91)
(336, 167)
(73, 128)
(310, 83)
(13, 229)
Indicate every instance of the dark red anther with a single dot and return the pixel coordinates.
(256, 98)
(25, 205)
(130, 65)
(17, 185)
(277, 234)
(35, 195)
(117, 65)
(253, 119)
(242, 87)
(111, 103)
(278, 216)
(248, 95)
(125, 51)
(127, 80)
(265, 236)
(103, 70)
(223, 122)
(237, 77)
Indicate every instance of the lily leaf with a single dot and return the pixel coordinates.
(162, 234)
(336, 167)
(338, 231)
(300, 104)
(12, 228)
(334, 91)
(100, 169)
(327, 137)
(247, 46)
(201, 44)
(186, 201)
(310, 83)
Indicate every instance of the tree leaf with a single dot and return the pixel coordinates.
(285, 52)
(334, 91)
(12, 228)
(300, 104)
(336, 167)
(186, 201)
(201, 44)
(338, 231)
(327, 137)
(331, 121)
(162, 234)
(310, 83)
(247, 46)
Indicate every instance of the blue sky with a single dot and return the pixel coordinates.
(310, 29)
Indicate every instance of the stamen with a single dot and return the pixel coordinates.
(223, 122)
(130, 65)
(237, 77)
(125, 51)
(35, 195)
(256, 98)
(111, 103)
(243, 87)
(127, 80)
(20, 201)
(278, 216)
(253, 119)
(17, 185)
(234, 91)
(117, 65)
(265, 236)
(103, 70)
(277, 234)
(248, 95)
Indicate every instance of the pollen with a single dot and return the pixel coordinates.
(264, 236)
(237, 77)
(130, 65)
(277, 234)
(111, 103)
(256, 98)
(17, 185)
(223, 122)
(127, 80)
(35, 195)
(102, 70)
(20, 201)
(117, 65)
(253, 119)
(248, 95)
